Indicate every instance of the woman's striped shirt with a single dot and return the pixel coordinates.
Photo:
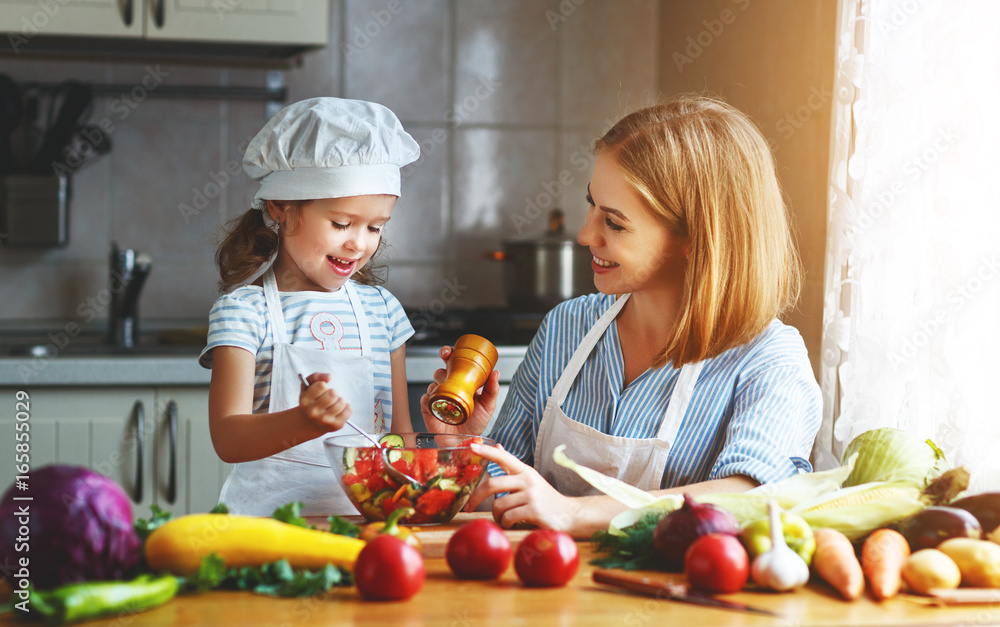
(756, 408)
(320, 320)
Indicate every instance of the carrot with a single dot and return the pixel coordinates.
(882, 557)
(834, 561)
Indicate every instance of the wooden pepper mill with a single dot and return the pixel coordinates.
(469, 366)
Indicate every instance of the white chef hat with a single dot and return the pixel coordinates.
(329, 148)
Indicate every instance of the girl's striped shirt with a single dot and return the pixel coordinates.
(320, 320)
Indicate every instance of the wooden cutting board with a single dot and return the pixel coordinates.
(434, 538)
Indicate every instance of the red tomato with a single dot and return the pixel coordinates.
(389, 569)
(717, 562)
(469, 474)
(435, 501)
(478, 550)
(425, 463)
(547, 558)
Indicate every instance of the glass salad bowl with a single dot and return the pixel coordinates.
(444, 467)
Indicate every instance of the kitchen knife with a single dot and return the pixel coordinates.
(671, 591)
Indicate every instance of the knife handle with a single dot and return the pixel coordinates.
(638, 583)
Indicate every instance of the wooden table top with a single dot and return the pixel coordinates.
(445, 600)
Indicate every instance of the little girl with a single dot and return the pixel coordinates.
(329, 176)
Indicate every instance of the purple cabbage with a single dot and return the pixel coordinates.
(80, 527)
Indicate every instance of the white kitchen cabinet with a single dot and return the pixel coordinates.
(240, 21)
(154, 442)
(102, 18)
(300, 22)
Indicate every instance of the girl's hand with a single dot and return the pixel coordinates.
(530, 498)
(321, 405)
(485, 403)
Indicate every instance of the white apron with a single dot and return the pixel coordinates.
(302, 472)
(637, 461)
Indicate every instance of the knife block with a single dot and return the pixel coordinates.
(34, 210)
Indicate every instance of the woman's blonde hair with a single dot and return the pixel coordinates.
(707, 173)
(249, 243)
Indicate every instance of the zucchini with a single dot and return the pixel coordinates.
(179, 545)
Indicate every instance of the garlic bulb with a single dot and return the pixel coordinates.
(781, 568)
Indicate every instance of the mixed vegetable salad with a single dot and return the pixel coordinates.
(447, 477)
(448, 411)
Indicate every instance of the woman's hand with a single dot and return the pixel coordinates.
(530, 498)
(485, 403)
(321, 405)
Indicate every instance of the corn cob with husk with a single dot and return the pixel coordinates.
(855, 511)
(858, 510)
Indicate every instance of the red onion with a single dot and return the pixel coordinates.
(681, 527)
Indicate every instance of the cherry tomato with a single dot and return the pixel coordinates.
(478, 550)
(547, 558)
(388, 569)
(717, 562)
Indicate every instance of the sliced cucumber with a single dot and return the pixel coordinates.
(392, 440)
(449, 484)
(350, 454)
(394, 455)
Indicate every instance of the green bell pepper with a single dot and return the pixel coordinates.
(94, 599)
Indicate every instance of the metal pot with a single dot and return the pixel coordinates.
(541, 272)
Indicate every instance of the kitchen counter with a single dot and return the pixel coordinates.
(182, 368)
(444, 600)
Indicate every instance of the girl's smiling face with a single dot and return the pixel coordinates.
(632, 249)
(325, 241)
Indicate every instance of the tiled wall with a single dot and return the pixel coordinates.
(504, 96)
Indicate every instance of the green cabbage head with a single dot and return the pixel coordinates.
(887, 454)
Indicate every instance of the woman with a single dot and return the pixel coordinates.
(678, 375)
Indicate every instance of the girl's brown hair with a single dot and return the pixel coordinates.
(707, 173)
(249, 243)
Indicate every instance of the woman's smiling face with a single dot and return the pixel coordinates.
(326, 241)
(632, 249)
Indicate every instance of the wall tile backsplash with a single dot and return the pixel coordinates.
(504, 96)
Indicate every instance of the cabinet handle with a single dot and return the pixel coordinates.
(157, 8)
(172, 470)
(139, 415)
(127, 12)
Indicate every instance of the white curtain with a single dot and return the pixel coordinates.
(911, 322)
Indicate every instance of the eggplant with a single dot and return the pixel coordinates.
(985, 507)
(932, 526)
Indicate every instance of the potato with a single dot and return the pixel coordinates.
(978, 561)
(930, 568)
